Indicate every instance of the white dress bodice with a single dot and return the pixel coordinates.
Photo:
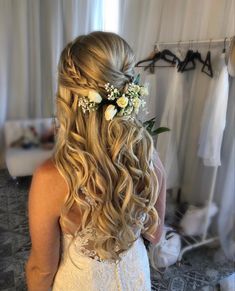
(81, 269)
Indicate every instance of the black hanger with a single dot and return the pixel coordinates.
(165, 55)
(191, 57)
(185, 64)
(197, 56)
(188, 63)
(169, 57)
(150, 58)
(207, 63)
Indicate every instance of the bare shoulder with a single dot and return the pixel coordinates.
(48, 179)
(48, 170)
(46, 167)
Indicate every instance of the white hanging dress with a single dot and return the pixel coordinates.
(214, 115)
(168, 142)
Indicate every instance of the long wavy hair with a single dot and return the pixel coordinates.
(112, 159)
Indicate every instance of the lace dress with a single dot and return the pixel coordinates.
(81, 269)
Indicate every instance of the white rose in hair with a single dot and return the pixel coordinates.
(136, 88)
(122, 101)
(110, 112)
(94, 96)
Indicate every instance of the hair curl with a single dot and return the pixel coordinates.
(111, 158)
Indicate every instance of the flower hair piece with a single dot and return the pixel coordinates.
(119, 103)
(90, 102)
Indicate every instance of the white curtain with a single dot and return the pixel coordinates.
(143, 24)
(32, 35)
(225, 190)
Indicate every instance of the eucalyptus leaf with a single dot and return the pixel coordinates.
(160, 130)
(148, 124)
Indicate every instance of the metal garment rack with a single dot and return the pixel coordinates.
(190, 43)
(192, 242)
(196, 42)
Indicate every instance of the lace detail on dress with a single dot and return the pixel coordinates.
(82, 269)
(132, 273)
(84, 243)
(85, 237)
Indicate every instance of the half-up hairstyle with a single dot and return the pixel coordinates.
(112, 159)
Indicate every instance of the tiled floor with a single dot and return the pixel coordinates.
(200, 270)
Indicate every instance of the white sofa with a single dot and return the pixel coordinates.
(20, 161)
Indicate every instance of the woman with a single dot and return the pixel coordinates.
(103, 190)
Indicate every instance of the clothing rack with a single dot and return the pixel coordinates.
(192, 242)
(191, 43)
(195, 42)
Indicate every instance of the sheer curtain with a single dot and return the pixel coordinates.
(142, 24)
(32, 35)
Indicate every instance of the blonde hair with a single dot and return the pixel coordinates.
(110, 158)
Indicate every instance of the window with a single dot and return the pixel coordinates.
(111, 15)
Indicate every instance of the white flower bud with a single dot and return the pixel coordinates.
(110, 112)
(94, 96)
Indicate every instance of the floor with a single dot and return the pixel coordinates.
(200, 269)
